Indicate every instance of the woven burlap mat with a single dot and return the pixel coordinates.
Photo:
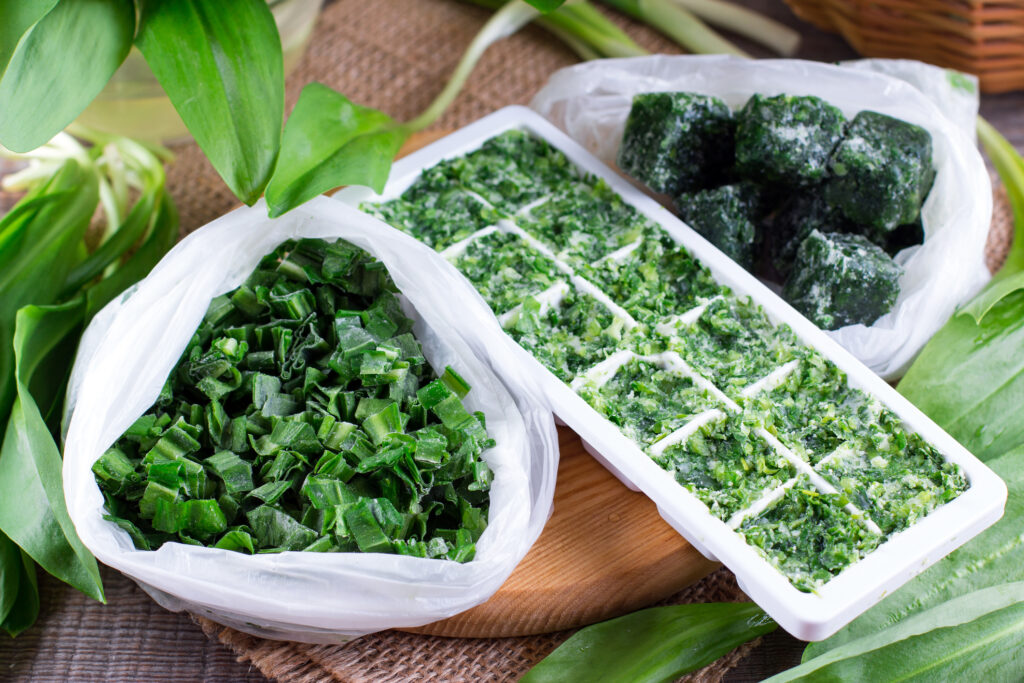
(395, 55)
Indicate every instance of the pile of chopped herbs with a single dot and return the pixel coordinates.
(612, 305)
(792, 191)
(303, 416)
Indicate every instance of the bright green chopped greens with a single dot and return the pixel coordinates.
(437, 212)
(506, 270)
(734, 344)
(609, 282)
(727, 465)
(655, 279)
(584, 222)
(648, 402)
(569, 336)
(809, 535)
(304, 416)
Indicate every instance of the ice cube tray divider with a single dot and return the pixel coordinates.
(810, 616)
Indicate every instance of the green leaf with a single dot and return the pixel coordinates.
(221, 65)
(657, 644)
(19, 16)
(59, 66)
(994, 557)
(25, 608)
(10, 574)
(975, 636)
(329, 141)
(1010, 167)
(969, 378)
(32, 510)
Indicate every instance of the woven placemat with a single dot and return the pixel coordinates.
(395, 55)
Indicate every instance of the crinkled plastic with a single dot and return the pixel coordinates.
(127, 353)
(591, 101)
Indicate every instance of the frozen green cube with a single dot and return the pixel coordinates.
(881, 171)
(786, 139)
(677, 142)
(840, 280)
(799, 215)
(727, 217)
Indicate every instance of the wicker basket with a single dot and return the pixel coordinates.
(977, 36)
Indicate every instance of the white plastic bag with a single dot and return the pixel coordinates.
(590, 102)
(130, 348)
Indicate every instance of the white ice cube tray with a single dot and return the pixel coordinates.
(809, 616)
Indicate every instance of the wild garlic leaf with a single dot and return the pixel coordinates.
(19, 16)
(221, 65)
(25, 607)
(653, 645)
(59, 66)
(330, 141)
(33, 513)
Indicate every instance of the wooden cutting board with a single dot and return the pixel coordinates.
(604, 552)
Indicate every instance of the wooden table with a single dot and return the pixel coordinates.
(131, 638)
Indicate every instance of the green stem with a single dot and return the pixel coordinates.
(587, 23)
(504, 23)
(577, 45)
(1010, 168)
(679, 24)
(745, 22)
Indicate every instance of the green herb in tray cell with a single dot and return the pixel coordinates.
(657, 279)
(727, 466)
(734, 344)
(786, 139)
(809, 536)
(647, 402)
(514, 169)
(727, 216)
(813, 411)
(506, 270)
(585, 221)
(840, 280)
(677, 142)
(881, 171)
(303, 416)
(570, 336)
(896, 483)
(435, 212)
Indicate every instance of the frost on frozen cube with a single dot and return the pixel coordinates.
(677, 142)
(727, 466)
(648, 402)
(795, 219)
(726, 216)
(809, 535)
(881, 171)
(786, 139)
(841, 279)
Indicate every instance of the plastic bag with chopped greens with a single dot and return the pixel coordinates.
(130, 348)
(591, 101)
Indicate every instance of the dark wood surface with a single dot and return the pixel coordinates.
(73, 638)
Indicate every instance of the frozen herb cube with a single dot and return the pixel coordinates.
(786, 139)
(648, 402)
(840, 280)
(726, 216)
(734, 344)
(897, 482)
(813, 411)
(727, 465)
(799, 215)
(437, 216)
(585, 221)
(569, 336)
(809, 536)
(881, 171)
(506, 270)
(677, 142)
(655, 279)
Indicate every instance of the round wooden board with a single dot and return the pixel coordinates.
(604, 552)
